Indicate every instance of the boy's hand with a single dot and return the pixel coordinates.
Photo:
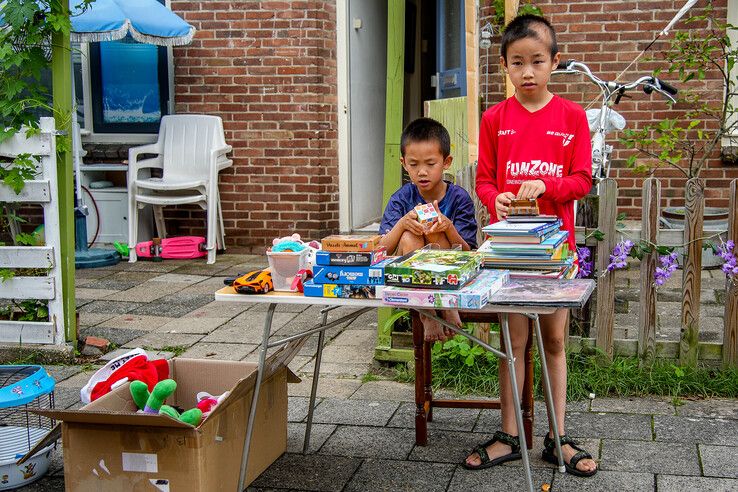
(442, 224)
(531, 189)
(502, 204)
(409, 222)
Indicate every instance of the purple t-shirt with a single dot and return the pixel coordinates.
(457, 205)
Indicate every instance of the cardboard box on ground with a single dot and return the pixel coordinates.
(108, 446)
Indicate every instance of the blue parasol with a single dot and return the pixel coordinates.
(147, 21)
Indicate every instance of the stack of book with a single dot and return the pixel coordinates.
(348, 267)
(529, 248)
(440, 279)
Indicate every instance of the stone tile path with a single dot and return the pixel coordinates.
(363, 436)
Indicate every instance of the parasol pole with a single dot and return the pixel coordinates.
(61, 82)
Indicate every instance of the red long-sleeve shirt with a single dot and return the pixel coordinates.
(551, 144)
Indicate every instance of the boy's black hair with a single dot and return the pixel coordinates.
(423, 130)
(523, 26)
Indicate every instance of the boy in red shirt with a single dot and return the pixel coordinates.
(533, 145)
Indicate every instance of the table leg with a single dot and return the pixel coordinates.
(428, 377)
(314, 388)
(553, 424)
(255, 397)
(421, 423)
(528, 390)
(516, 398)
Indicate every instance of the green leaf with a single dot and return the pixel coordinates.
(469, 361)
(598, 235)
(621, 216)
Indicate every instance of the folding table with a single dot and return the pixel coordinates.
(422, 391)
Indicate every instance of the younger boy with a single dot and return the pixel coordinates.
(426, 153)
(533, 145)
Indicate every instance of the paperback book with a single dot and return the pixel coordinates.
(544, 292)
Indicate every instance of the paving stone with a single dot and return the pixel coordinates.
(650, 456)
(385, 390)
(153, 266)
(156, 340)
(179, 278)
(603, 425)
(723, 432)
(246, 329)
(370, 442)
(174, 305)
(297, 363)
(633, 405)
(207, 286)
(354, 412)
(297, 408)
(309, 472)
(77, 381)
(358, 338)
(450, 419)
(719, 461)
(489, 419)
(118, 336)
(328, 387)
(676, 483)
(498, 478)
(318, 435)
(150, 354)
(65, 396)
(713, 408)
(92, 319)
(201, 326)
(347, 353)
(46, 484)
(60, 373)
(447, 447)
(217, 268)
(219, 309)
(136, 322)
(340, 370)
(146, 292)
(110, 307)
(281, 308)
(85, 293)
(112, 284)
(604, 481)
(408, 476)
(367, 321)
(218, 351)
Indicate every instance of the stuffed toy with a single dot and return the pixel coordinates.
(133, 365)
(153, 402)
(207, 402)
(287, 243)
(313, 248)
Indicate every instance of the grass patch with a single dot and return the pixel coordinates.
(369, 377)
(177, 350)
(470, 370)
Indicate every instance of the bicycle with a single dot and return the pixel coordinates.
(605, 119)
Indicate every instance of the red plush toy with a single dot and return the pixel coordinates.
(131, 366)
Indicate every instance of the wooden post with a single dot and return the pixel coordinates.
(605, 286)
(395, 88)
(650, 212)
(511, 10)
(730, 335)
(471, 23)
(694, 208)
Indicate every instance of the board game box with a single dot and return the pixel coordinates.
(434, 269)
(354, 258)
(473, 295)
(545, 292)
(348, 243)
(311, 289)
(351, 275)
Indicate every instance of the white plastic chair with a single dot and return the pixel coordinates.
(190, 151)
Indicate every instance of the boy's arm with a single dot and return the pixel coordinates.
(394, 224)
(486, 182)
(463, 223)
(579, 181)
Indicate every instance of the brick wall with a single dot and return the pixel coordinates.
(269, 70)
(607, 35)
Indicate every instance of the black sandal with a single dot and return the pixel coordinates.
(481, 450)
(549, 448)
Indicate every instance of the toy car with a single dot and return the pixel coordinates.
(256, 282)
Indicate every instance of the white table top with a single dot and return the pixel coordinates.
(229, 294)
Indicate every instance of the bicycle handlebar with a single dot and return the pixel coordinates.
(609, 88)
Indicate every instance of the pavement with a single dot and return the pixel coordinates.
(363, 437)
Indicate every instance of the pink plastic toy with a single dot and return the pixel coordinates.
(175, 248)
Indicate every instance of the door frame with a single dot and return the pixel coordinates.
(344, 123)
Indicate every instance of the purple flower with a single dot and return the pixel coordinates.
(585, 264)
(726, 251)
(668, 267)
(619, 255)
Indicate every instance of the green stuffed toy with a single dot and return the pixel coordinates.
(154, 402)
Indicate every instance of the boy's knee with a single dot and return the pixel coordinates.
(409, 242)
(554, 346)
